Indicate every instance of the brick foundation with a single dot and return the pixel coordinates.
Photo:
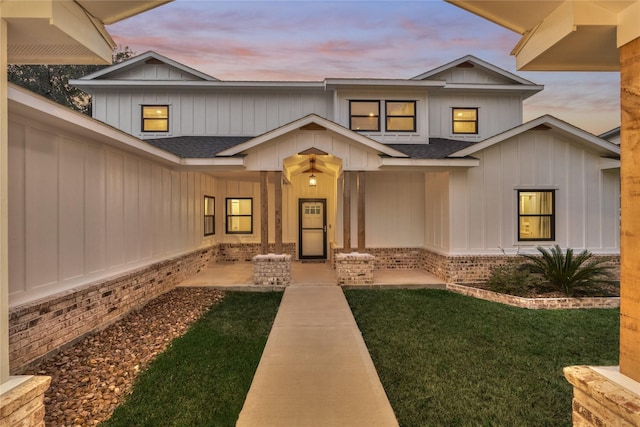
(272, 270)
(41, 328)
(23, 405)
(601, 400)
(235, 252)
(354, 268)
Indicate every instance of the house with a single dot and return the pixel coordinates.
(178, 170)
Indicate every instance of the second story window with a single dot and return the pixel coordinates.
(364, 116)
(465, 120)
(155, 118)
(401, 116)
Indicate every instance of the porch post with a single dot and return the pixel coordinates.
(346, 211)
(264, 213)
(630, 207)
(278, 213)
(4, 208)
(360, 189)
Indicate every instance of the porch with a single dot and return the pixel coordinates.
(239, 276)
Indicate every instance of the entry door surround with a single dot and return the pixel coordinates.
(312, 220)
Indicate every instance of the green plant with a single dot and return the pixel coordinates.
(513, 278)
(566, 272)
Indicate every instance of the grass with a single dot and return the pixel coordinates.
(203, 378)
(449, 360)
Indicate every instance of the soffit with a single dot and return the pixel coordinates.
(563, 35)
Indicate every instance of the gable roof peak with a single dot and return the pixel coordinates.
(148, 57)
(470, 61)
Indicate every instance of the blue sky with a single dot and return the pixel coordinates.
(311, 40)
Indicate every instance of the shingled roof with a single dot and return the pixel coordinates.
(204, 147)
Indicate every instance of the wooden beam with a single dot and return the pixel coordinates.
(264, 213)
(346, 211)
(630, 206)
(278, 214)
(360, 189)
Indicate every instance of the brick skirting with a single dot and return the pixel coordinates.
(43, 327)
(244, 252)
(23, 405)
(272, 270)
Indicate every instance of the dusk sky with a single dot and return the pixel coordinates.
(313, 40)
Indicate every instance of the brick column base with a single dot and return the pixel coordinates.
(603, 397)
(23, 405)
(272, 270)
(355, 268)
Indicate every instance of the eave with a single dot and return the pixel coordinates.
(399, 163)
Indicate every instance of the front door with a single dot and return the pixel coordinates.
(313, 229)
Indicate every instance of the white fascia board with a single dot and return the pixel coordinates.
(141, 58)
(312, 118)
(476, 61)
(474, 86)
(332, 83)
(607, 163)
(194, 84)
(82, 124)
(386, 162)
(224, 162)
(557, 124)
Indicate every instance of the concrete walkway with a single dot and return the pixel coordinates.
(315, 369)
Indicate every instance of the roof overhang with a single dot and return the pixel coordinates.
(563, 35)
(64, 31)
(421, 164)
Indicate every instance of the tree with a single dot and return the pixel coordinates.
(52, 81)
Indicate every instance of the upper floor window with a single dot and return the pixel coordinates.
(465, 120)
(536, 215)
(364, 115)
(239, 216)
(401, 116)
(155, 118)
(209, 215)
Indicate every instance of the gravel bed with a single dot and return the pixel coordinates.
(91, 378)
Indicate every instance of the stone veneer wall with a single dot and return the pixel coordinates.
(23, 405)
(272, 270)
(40, 328)
(235, 252)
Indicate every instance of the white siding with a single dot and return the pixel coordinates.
(80, 211)
(210, 113)
(495, 114)
(436, 215)
(471, 75)
(152, 72)
(484, 199)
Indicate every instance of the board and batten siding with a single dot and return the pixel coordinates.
(436, 214)
(80, 211)
(483, 200)
(496, 114)
(193, 113)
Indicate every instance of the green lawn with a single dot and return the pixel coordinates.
(203, 378)
(449, 360)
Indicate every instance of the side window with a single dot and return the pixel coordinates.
(155, 118)
(239, 216)
(209, 215)
(364, 115)
(465, 121)
(536, 215)
(401, 116)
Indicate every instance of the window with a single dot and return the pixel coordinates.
(465, 120)
(364, 115)
(209, 215)
(401, 116)
(155, 118)
(239, 216)
(536, 215)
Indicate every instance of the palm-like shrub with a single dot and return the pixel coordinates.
(567, 272)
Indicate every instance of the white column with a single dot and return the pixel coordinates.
(4, 209)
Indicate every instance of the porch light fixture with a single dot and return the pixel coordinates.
(313, 181)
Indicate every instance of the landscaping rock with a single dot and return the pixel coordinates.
(91, 378)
